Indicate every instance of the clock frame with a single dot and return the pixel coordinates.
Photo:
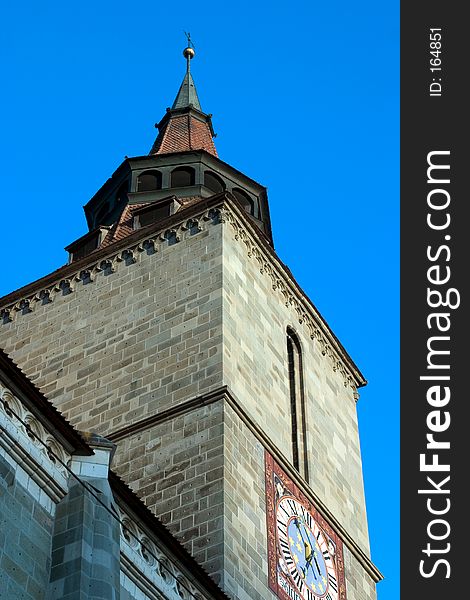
(305, 555)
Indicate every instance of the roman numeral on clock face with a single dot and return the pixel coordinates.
(285, 546)
(307, 517)
(310, 595)
(282, 531)
(332, 582)
(287, 556)
(296, 577)
(290, 563)
(293, 506)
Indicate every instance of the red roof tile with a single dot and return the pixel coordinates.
(183, 132)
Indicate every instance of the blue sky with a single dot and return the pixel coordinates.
(305, 99)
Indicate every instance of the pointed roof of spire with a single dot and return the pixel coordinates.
(187, 94)
(185, 127)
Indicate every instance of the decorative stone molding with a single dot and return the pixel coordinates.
(282, 284)
(192, 226)
(148, 567)
(32, 448)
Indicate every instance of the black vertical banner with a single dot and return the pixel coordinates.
(435, 253)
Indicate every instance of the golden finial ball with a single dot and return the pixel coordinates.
(189, 52)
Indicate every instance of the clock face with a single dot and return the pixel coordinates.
(306, 553)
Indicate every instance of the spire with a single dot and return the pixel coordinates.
(185, 127)
(187, 94)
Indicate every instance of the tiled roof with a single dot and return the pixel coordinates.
(185, 126)
(183, 132)
(122, 228)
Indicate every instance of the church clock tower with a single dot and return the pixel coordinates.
(177, 332)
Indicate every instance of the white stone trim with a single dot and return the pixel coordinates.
(38, 458)
(96, 465)
(135, 591)
(147, 567)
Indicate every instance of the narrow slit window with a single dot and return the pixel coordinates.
(297, 404)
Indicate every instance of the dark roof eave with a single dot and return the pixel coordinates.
(83, 238)
(40, 406)
(109, 182)
(199, 151)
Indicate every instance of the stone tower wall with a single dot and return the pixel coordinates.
(142, 355)
(245, 546)
(256, 371)
(130, 343)
(177, 466)
(134, 345)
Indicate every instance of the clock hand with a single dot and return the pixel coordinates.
(296, 521)
(308, 552)
(316, 562)
(308, 537)
(308, 563)
(308, 558)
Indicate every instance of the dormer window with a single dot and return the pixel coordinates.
(86, 244)
(149, 181)
(213, 182)
(182, 177)
(247, 202)
(157, 211)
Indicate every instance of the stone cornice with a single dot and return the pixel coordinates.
(43, 411)
(148, 239)
(218, 209)
(148, 567)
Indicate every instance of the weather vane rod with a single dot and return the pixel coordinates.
(190, 43)
(189, 51)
